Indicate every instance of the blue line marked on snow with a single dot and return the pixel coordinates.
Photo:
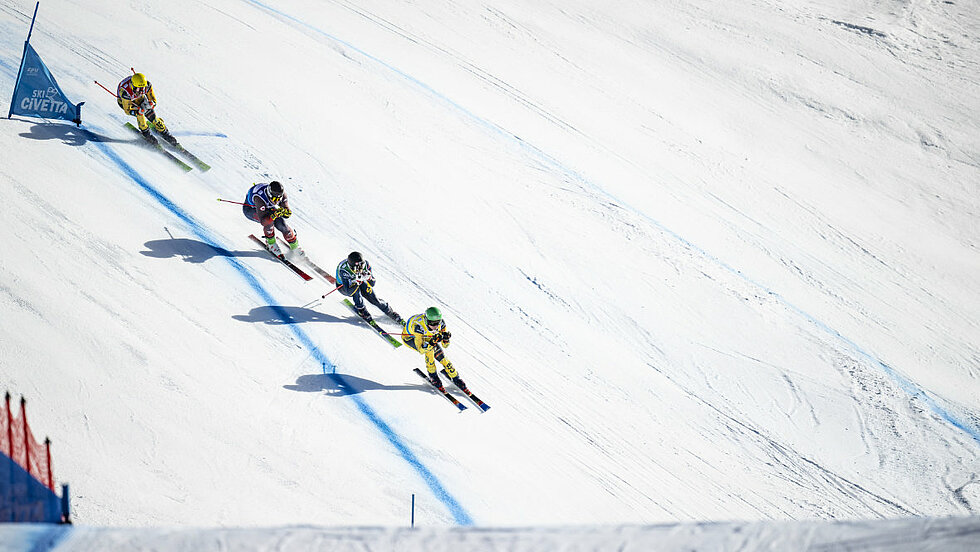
(8, 68)
(903, 382)
(459, 514)
(200, 231)
(196, 133)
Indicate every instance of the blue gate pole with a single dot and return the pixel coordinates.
(65, 512)
(413, 510)
(22, 56)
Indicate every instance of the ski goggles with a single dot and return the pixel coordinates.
(432, 324)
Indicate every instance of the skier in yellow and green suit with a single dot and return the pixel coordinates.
(424, 332)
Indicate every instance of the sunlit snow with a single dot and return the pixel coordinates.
(706, 261)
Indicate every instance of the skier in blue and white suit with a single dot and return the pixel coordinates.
(267, 205)
(356, 281)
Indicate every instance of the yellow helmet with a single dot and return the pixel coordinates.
(139, 80)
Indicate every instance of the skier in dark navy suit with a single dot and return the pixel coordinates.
(356, 281)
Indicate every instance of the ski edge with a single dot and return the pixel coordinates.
(289, 264)
(441, 390)
(201, 165)
(176, 160)
(469, 394)
(377, 329)
(323, 273)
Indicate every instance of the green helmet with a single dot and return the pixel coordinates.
(433, 314)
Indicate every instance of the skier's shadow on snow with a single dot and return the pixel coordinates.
(194, 251)
(340, 385)
(278, 314)
(67, 133)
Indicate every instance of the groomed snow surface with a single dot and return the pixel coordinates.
(913, 535)
(706, 260)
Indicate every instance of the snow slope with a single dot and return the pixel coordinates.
(915, 535)
(705, 260)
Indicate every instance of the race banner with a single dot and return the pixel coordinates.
(37, 94)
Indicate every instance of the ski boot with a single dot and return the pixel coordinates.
(273, 247)
(434, 379)
(161, 128)
(396, 317)
(151, 139)
(363, 313)
(294, 247)
(454, 376)
(165, 134)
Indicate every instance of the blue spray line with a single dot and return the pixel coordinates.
(904, 383)
(460, 515)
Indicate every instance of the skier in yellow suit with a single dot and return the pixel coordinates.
(424, 332)
(135, 96)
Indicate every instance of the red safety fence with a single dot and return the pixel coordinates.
(18, 443)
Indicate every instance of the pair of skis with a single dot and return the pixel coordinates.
(282, 258)
(374, 325)
(293, 266)
(201, 165)
(449, 396)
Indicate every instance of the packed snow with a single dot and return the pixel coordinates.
(705, 260)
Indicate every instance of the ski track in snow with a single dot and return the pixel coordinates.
(459, 513)
(913, 390)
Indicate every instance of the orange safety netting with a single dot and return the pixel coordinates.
(18, 443)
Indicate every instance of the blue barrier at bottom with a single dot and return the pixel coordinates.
(23, 498)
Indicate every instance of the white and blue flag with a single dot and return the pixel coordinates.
(37, 94)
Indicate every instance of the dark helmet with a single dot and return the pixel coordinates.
(275, 190)
(355, 260)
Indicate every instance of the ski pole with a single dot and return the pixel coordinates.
(331, 291)
(106, 89)
(230, 201)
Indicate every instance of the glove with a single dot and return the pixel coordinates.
(445, 338)
(283, 212)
